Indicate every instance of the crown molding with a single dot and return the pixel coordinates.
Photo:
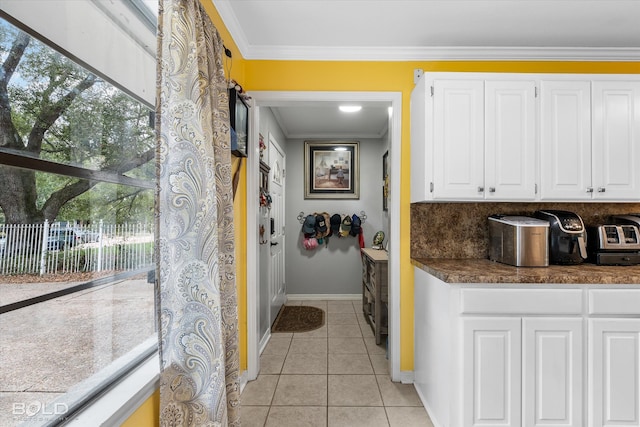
(233, 25)
(441, 53)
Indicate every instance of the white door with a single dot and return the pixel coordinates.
(277, 287)
(565, 143)
(552, 389)
(614, 360)
(616, 140)
(491, 372)
(510, 140)
(458, 158)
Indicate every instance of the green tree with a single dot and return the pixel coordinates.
(53, 109)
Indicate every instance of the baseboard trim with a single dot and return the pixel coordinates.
(427, 408)
(264, 341)
(244, 380)
(330, 297)
(406, 377)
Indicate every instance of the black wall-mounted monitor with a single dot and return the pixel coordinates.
(239, 118)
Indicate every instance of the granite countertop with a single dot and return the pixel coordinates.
(485, 271)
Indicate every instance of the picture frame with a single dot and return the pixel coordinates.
(239, 121)
(385, 181)
(331, 170)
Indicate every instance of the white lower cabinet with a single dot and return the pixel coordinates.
(552, 372)
(522, 372)
(614, 361)
(523, 355)
(491, 372)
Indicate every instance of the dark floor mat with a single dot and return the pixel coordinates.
(298, 318)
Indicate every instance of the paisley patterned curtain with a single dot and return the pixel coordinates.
(195, 246)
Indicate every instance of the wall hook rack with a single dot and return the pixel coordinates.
(362, 215)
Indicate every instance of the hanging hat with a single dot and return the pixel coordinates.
(321, 226)
(355, 225)
(327, 221)
(335, 223)
(345, 226)
(309, 226)
(310, 243)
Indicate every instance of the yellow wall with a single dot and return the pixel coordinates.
(147, 415)
(395, 77)
(256, 75)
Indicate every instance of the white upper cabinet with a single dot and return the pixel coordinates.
(458, 134)
(477, 140)
(510, 140)
(590, 140)
(616, 140)
(565, 140)
(491, 136)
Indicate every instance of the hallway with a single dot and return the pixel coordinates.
(333, 376)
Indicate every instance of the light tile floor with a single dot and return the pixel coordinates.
(334, 376)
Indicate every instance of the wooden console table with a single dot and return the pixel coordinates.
(375, 294)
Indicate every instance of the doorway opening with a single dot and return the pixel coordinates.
(263, 102)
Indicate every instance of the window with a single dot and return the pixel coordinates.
(77, 229)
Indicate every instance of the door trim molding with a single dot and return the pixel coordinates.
(272, 98)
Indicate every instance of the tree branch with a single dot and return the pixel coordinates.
(13, 59)
(135, 162)
(55, 202)
(50, 113)
(9, 137)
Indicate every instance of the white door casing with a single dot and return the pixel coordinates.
(277, 283)
(265, 99)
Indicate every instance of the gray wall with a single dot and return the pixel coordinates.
(336, 268)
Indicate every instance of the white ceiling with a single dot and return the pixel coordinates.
(433, 29)
(422, 30)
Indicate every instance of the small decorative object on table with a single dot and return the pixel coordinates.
(378, 238)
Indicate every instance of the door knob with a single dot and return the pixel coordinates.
(601, 189)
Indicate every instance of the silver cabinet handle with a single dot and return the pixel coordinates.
(480, 189)
(589, 190)
(492, 190)
(601, 189)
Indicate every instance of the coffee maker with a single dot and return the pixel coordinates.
(567, 236)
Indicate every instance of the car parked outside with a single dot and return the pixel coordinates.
(61, 238)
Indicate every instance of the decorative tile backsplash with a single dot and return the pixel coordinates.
(460, 230)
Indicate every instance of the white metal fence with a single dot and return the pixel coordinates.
(69, 248)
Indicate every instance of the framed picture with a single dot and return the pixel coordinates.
(331, 170)
(385, 181)
(239, 121)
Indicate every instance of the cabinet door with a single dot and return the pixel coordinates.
(565, 140)
(552, 389)
(458, 139)
(616, 140)
(510, 140)
(491, 372)
(614, 362)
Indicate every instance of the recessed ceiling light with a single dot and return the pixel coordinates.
(340, 149)
(350, 108)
